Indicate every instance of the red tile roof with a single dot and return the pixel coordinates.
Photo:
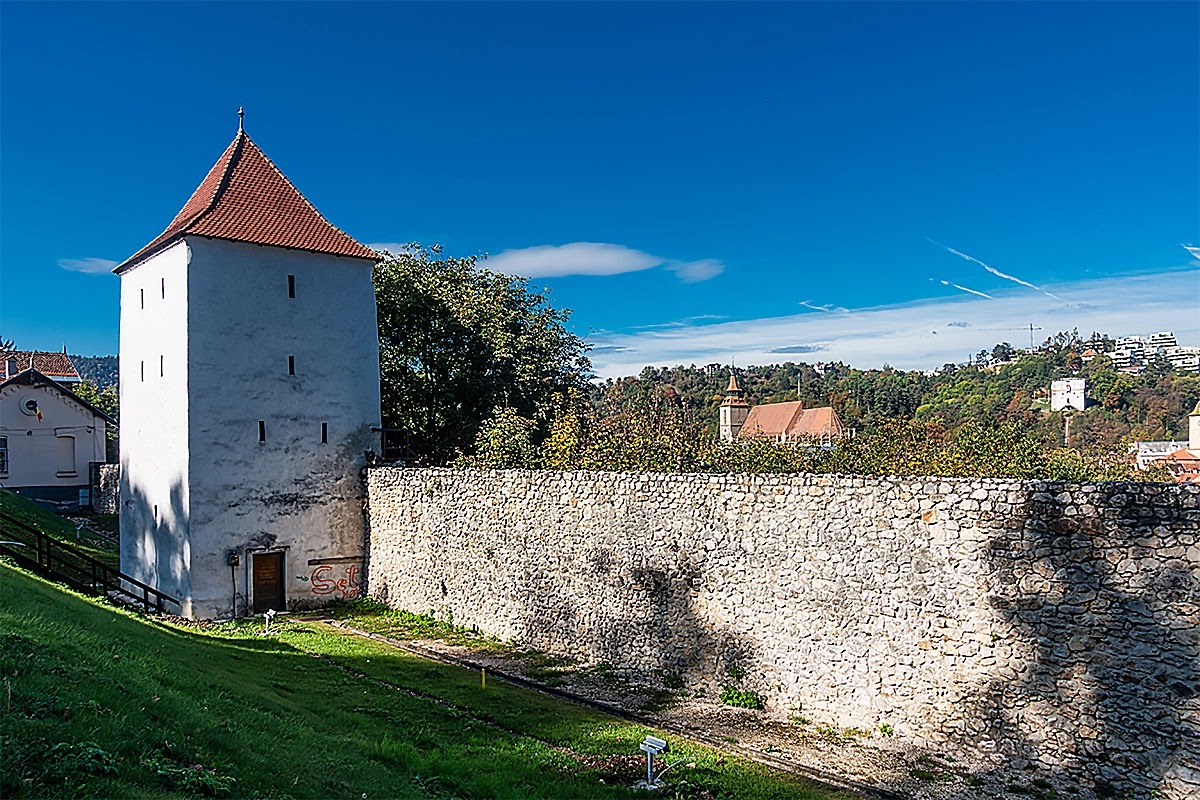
(245, 198)
(52, 365)
(789, 421)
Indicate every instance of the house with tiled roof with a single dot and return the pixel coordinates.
(1184, 463)
(249, 379)
(49, 438)
(56, 366)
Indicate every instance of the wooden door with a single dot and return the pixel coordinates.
(268, 582)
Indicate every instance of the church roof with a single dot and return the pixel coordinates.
(791, 421)
(245, 198)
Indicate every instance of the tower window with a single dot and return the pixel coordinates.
(164, 288)
(291, 365)
(143, 367)
(262, 430)
(142, 297)
(160, 366)
(324, 433)
(291, 285)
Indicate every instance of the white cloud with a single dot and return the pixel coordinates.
(696, 271)
(395, 248)
(901, 335)
(90, 266)
(594, 258)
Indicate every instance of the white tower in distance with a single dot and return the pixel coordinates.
(249, 370)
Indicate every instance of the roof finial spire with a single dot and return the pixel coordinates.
(241, 120)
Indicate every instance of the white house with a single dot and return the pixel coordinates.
(48, 440)
(249, 369)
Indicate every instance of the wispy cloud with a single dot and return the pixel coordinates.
(595, 258)
(680, 323)
(90, 266)
(902, 335)
(394, 248)
(696, 271)
(799, 348)
(965, 289)
(828, 309)
(998, 273)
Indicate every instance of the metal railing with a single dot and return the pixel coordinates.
(65, 563)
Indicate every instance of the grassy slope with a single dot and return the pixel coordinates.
(104, 703)
(51, 524)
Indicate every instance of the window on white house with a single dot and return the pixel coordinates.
(160, 366)
(142, 293)
(3, 455)
(143, 365)
(164, 288)
(66, 456)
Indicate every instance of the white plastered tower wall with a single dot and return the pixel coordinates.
(155, 502)
(292, 493)
(250, 380)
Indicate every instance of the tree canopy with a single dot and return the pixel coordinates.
(459, 342)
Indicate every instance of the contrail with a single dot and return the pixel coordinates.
(1191, 248)
(965, 289)
(826, 309)
(998, 273)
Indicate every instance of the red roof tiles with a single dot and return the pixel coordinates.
(791, 421)
(52, 365)
(245, 198)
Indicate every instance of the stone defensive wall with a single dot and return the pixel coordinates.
(105, 482)
(1050, 623)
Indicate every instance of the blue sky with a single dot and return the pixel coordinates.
(698, 182)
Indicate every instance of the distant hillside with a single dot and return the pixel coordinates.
(100, 370)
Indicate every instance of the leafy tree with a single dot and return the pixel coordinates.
(504, 441)
(458, 341)
(108, 401)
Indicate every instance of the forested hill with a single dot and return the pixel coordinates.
(99, 370)
(1151, 406)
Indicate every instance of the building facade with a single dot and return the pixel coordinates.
(249, 371)
(49, 438)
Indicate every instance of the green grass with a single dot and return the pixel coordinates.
(24, 510)
(104, 703)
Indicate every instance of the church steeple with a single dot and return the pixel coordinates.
(734, 410)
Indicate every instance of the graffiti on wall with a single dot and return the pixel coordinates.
(338, 581)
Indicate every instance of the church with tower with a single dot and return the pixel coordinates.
(249, 380)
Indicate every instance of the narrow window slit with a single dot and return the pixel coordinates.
(160, 366)
(291, 285)
(142, 297)
(262, 430)
(324, 433)
(291, 365)
(143, 367)
(164, 288)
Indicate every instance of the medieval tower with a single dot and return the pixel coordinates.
(734, 410)
(249, 377)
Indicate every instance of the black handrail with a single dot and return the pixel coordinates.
(81, 571)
